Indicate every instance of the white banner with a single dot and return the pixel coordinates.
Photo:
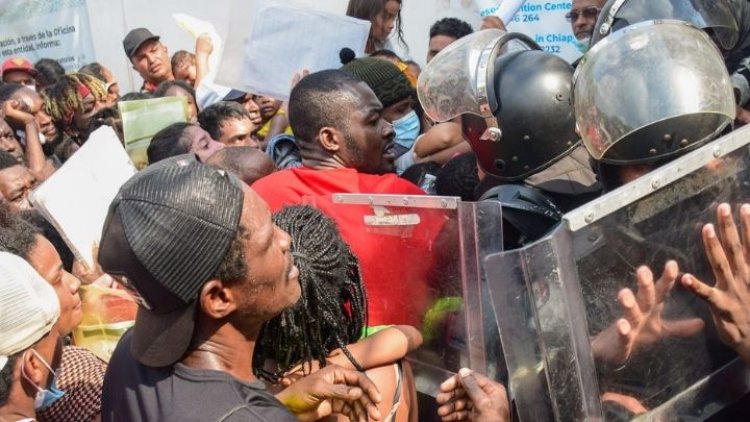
(55, 29)
(545, 22)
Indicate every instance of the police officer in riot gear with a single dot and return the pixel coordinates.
(643, 102)
(515, 105)
(726, 21)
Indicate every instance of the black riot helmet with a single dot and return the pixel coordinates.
(714, 16)
(651, 92)
(514, 101)
(527, 213)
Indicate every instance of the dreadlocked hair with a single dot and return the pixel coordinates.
(62, 99)
(332, 309)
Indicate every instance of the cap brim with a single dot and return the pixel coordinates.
(234, 95)
(162, 339)
(33, 72)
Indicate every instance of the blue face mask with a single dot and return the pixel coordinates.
(45, 397)
(583, 45)
(407, 129)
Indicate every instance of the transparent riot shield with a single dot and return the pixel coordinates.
(421, 266)
(556, 301)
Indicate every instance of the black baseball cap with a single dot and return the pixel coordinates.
(167, 232)
(135, 38)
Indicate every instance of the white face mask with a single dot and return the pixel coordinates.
(582, 45)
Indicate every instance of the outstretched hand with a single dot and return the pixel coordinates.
(642, 324)
(332, 390)
(469, 395)
(729, 298)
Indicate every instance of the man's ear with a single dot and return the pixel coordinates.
(330, 139)
(33, 367)
(217, 300)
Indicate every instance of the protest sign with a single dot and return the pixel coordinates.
(55, 29)
(141, 119)
(284, 40)
(97, 171)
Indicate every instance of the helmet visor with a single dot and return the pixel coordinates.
(447, 87)
(714, 16)
(650, 91)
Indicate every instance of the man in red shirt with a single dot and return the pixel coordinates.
(347, 147)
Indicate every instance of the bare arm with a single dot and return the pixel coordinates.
(384, 347)
(35, 159)
(203, 50)
(443, 156)
(438, 138)
(279, 123)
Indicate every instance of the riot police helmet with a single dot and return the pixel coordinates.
(513, 99)
(651, 92)
(527, 213)
(713, 16)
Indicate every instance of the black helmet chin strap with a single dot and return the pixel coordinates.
(527, 213)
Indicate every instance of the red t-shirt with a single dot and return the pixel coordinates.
(395, 259)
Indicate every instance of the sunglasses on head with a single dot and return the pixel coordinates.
(591, 12)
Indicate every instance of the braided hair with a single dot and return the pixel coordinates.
(63, 98)
(332, 310)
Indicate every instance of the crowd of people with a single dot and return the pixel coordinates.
(258, 298)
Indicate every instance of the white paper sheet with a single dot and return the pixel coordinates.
(286, 39)
(76, 198)
(503, 9)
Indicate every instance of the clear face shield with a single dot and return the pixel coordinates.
(651, 91)
(457, 82)
(713, 16)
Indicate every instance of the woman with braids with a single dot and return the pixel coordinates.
(72, 101)
(331, 316)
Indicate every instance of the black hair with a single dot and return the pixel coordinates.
(48, 71)
(107, 116)
(93, 69)
(7, 160)
(233, 269)
(370, 9)
(62, 99)
(332, 309)
(418, 173)
(182, 57)
(161, 90)
(6, 378)
(213, 117)
(169, 142)
(16, 235)
(8, 90)
(36, 219)
(387, 54)
(132, 96)
(317, 101)
(451, 27)
(458, 177)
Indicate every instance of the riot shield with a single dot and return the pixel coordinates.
(555, 298)
(425, 248)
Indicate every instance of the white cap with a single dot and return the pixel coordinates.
(29, 307)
